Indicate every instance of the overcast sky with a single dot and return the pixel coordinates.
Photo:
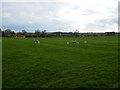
(60, 15)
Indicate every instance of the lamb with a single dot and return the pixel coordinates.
(36, 41)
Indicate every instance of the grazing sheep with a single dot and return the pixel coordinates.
(73, 42)
(36, 41)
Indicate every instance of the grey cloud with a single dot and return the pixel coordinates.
(53, 25)
(21, 12)
(41, 15)
(102, 24)
(45, 15)
(109, 21)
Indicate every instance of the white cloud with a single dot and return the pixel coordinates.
(61, 15)
(30, 22)
(32, 0)
(6, 15)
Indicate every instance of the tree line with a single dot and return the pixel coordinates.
(44, 33)
(37, 33)
(9, 32)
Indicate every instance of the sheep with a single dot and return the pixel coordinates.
(73, 41)
(36, 41)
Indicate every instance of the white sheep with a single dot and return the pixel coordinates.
(36, 41)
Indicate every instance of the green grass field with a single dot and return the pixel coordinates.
(54, 64)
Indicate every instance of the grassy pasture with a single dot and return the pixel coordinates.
(54, 64)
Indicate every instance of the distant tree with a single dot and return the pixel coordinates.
(19, 33)
(24, 32)
(58, 34)
(0, 32)
(110, 33)
(30, 35)
(12, 32)
(70, 33)
(7, 32)
(43, 34)
(37, 32)
(76, 33)
(3, 33)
